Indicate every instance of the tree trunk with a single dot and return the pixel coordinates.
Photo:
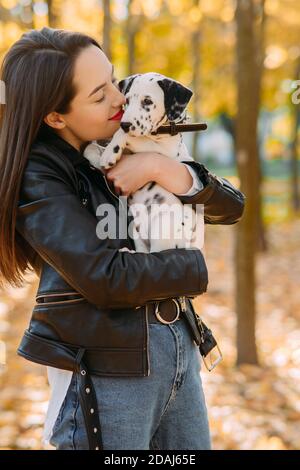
(106, 42)
(196, 40)
(130, 34)
(259, 24)
(52, 17)
(246, 148)
(133, 24)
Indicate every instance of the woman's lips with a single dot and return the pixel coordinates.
(118, 116)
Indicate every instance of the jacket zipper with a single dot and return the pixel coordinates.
(147, 340)
(59, 302)
(56, 300)
(57, 294)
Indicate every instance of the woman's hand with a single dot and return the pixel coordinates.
(132, 172)
(135, 170)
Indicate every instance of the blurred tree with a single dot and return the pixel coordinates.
(5, 14)
(196, 17)
(134, 23)
(131, 30)
(52, 14)
(27, 14)
(294, 147)
(229, 123)
(107, 20)
(259, 51)
(246, 147)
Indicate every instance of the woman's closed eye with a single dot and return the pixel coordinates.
(102, 99)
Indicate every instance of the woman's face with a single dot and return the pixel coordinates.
(93, 106)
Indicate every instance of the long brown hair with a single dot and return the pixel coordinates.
(38, 75)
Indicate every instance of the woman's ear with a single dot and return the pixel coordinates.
(54, 120)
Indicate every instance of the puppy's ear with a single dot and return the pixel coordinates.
(125, 84)
(176, 98)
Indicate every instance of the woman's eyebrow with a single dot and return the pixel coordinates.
(103, 84)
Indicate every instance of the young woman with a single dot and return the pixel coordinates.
(121, 378)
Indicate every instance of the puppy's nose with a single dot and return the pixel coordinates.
(125, 126)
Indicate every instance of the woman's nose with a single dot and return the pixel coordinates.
(118, 103)
(120, 99)
(123, 98)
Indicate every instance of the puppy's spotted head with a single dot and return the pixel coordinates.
(151, 101)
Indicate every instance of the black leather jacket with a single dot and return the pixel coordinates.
(101, 327)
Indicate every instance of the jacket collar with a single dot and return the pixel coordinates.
(74, 156)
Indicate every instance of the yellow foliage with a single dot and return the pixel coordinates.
(9, 3)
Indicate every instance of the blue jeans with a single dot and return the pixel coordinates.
(165, 411)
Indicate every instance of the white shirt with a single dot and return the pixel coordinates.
(59, 379)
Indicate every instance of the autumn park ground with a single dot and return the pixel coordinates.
(250, 407)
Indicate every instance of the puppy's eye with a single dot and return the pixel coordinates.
(147, 101)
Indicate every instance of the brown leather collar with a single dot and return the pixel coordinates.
(174, 128)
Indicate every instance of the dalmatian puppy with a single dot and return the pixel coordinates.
(152, 100)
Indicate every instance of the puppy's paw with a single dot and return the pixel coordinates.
(93, 153)
(110, 156)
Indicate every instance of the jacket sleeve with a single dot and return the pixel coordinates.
(52, 220)
(223, 203)
(197, 183)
